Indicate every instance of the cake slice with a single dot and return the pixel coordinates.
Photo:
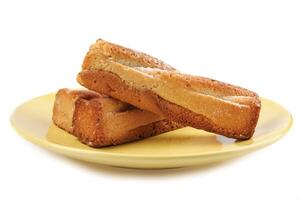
(98, 120)
(150, 84)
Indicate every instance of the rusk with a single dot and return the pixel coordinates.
(98, 120)
(150, 84)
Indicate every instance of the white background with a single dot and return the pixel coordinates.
(254, 44)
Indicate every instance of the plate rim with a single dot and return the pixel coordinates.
(261, 142)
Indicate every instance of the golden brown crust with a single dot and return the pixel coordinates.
(110, 84)
(141, 80)
(88, 122)
(98, 120)
(123, 55)
(177, 113)
(64, 106)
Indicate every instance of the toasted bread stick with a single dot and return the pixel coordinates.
(98, 120)
(150, 84)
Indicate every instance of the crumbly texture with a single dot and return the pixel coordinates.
(125, 55)
(64, 106)
(112, 85)
(138, 79)
(98, 120)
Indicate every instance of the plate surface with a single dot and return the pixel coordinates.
(179, 148)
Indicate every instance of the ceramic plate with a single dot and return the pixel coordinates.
(179, 148)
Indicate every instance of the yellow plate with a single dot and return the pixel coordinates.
(183, 147)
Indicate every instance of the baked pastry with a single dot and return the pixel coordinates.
(150, 84)
(98, 120)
